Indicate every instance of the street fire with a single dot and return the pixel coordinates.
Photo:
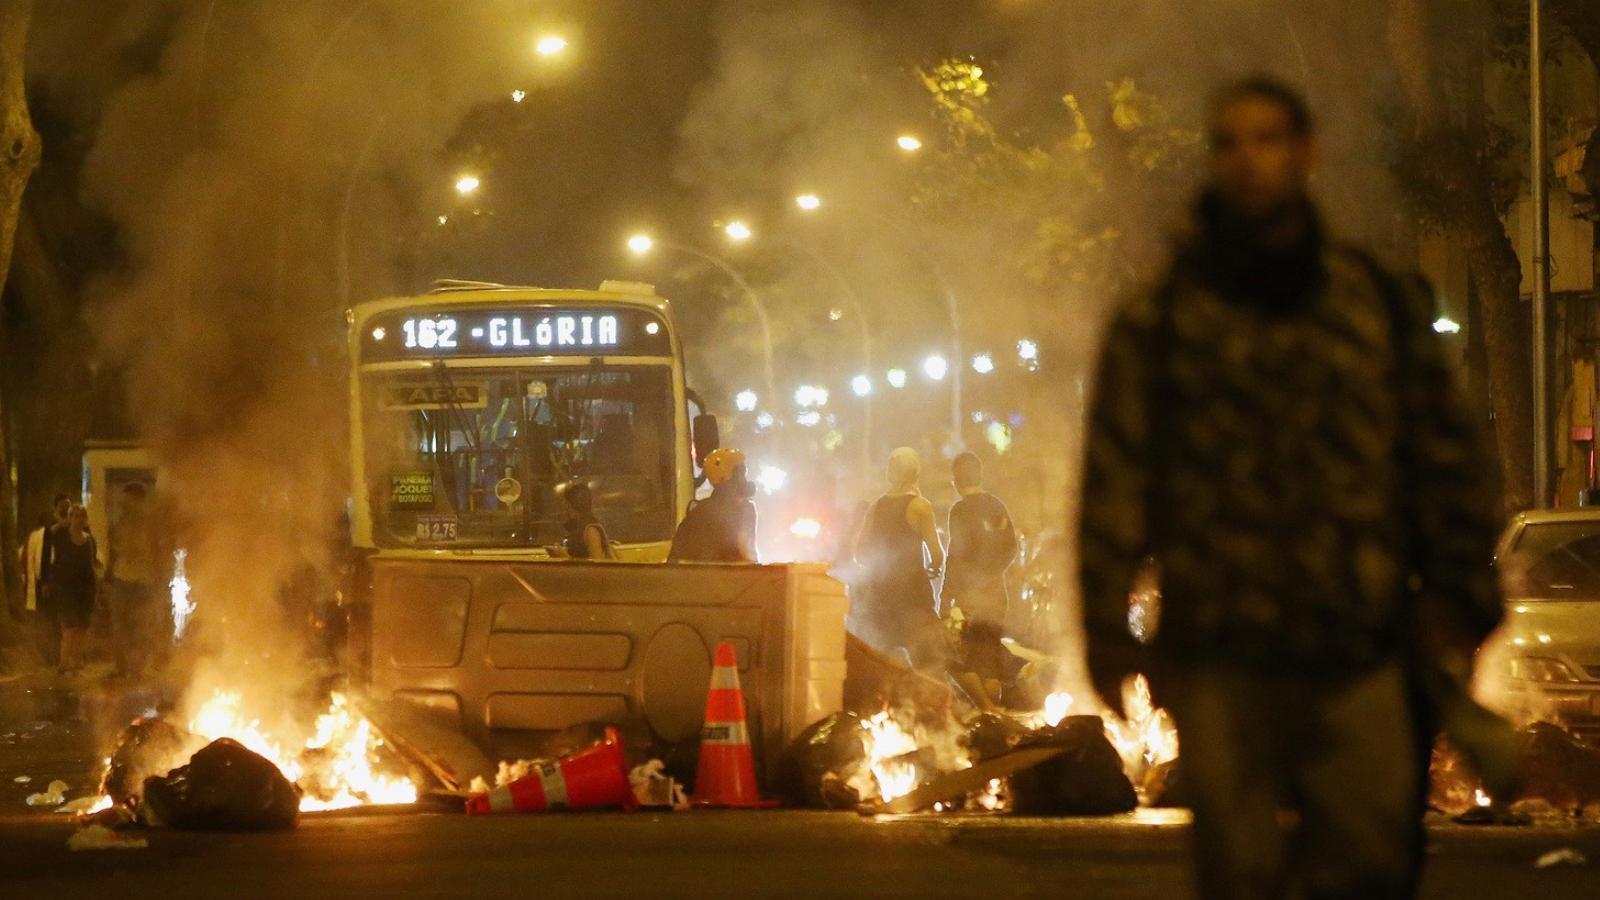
(337, 766)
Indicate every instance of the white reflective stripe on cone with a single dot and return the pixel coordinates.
(500, 800)
(725, 679)
(554, 784)
(730, 734)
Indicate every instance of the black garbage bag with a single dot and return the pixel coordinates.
(148, 746)
(1086, 780)
(990, 735)
(816, 767)
(225, 787)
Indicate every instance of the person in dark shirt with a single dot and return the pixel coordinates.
(585, 536)
(722, 527)
(70, 584)
(899, 551)
(983, 543)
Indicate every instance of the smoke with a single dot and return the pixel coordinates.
(263, 173)
(1037, 239)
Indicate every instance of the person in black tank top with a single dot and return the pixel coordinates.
(585, 537)
(899, 550)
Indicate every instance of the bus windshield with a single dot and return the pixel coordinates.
(473, 457)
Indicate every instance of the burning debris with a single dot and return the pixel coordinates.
(343, 762)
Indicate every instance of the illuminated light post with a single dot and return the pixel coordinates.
(908, 142)
(861, 386)
(1446, 325)
(746, 401)
(642, 244)
(808, 202)
(936, 367)
(737, 231)
(518, 96)
(467, 184)
(550, 45)
(983, 364)
(896, 378)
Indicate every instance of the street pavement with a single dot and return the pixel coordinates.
(47, 734)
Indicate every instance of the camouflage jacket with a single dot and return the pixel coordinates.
(1305, 477)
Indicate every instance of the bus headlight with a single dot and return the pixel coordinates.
(1541, 669)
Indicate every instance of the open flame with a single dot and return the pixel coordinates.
(337, 766)
(182, 606)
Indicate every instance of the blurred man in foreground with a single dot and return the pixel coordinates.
(1276, 425)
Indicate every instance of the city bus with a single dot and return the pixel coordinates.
(475, 405)
(473, 408)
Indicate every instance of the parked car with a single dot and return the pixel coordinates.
(1549, 647)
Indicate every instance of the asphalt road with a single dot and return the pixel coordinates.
(768, 853)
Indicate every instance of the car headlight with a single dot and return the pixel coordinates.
(1541, 669)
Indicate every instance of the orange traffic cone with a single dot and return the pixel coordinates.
(727, 774)
(590, 778)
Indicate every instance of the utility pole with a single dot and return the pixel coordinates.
(1541, 261)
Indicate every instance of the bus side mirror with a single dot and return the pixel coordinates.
(707, 436)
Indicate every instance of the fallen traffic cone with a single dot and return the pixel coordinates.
(727, 773)
(588, 779)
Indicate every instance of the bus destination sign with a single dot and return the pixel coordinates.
(540, 331)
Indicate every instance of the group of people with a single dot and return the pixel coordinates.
(902, 554)
(68, 583)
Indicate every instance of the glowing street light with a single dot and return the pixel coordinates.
(809, 419)
(765, 421)
(936, 367)
(1446, 325)
(550, 45)
(443, 219)
(466, 184)
(640, 244)
(806, 529)
(518, 96)
(771, 479)
(737, 231)
(861, 385)
(1027, 350)
(983, 364)
(896, 378)
(809, 395)
(746, 400)
(808, 202)
(908, 143)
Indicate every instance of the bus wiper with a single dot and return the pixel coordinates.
(453, 407)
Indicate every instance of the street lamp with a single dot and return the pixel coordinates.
(745, 401)
(467, 184)
(808, 202)
(896, 378)
(737, 231)
(550, 45)
(1446, 325)
(861, 385)
(936, 367)
(908, 143)
(641, 245)
(983, 364)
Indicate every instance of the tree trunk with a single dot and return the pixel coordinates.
(1493, 265)
(19, 154)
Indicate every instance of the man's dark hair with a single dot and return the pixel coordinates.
(579, 497)
(1260, 87)
(60, 499)
(967, 470)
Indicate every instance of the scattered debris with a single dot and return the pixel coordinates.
(817, 768)
(654, 789)
(54, 795)
(592, 778)
(148, 746)
(99, 837)
(1566, 856)
(224, 787)
(84, 805)
(1086, 778)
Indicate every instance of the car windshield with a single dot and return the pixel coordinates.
(474, 457)
(1554, 561)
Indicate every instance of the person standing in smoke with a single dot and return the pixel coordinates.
(70, 585)
(1276, 424)
(983, 543)
(899, 550)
